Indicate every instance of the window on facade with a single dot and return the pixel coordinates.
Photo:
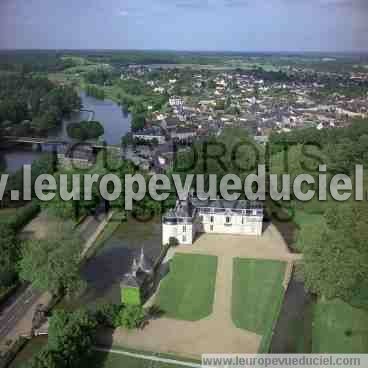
(211, 219)
(242, 220)
(211, 227)
(184, 238)
(184, 228)
(228, 219)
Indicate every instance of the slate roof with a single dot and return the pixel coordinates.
(186, 209)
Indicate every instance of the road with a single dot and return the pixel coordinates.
(16, 307)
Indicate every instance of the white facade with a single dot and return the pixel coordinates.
(183, 233)
(228, 223)
(183, 134)
(176, 101)
(150, 137)
(218, 217)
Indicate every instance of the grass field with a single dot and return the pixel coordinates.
(339, 328)
(305, 219)
(257, 296)
(112, 360)
(187, 292)
(6, 214)
(32, 348)
(252, 65)
(97, 360)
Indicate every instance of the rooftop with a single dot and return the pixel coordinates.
(186, 209)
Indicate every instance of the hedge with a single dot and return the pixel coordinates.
(24, 215)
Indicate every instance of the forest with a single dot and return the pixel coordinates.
(32, 105)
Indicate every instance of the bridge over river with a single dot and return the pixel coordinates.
(55, 141)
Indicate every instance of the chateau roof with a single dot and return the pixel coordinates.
(145, 264)
(130, 281)
(223, 204)
(186, 209)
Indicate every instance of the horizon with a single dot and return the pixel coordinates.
(194, 51)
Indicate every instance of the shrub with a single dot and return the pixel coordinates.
(130, 317)
(24, 215)
(85, 130)
(107, 314)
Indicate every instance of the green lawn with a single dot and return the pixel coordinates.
(187, 292)
(304, 218)
(257, 296)
(6, 214)
(339, 328)
(97, 360)
(112, 360)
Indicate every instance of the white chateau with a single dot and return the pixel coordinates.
(211, 216)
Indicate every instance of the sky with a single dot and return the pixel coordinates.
(206, 25)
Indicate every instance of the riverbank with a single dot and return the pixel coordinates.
(17, 319)
(15, 156)
(116, 123)
(111, 258)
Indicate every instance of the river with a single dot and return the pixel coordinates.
(115, 121)
(104, 271)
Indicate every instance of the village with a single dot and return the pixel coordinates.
(163, 283)
(203, 103)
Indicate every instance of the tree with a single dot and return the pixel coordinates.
(33, 104)
(146, 208)
(75, 209)
(173, 242)
(107, 314)
(47, 359)
(336, 253)
(52, 264)
(95, 92)
(138, 121)
(126, 140)
(70, 340)
(9, 253)
(85, 130)
(233, 152)
(71, 334)
(130, 317)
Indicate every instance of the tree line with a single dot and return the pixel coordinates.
(335, 262)
(335, 252)
(10, 245)
(33, 105)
